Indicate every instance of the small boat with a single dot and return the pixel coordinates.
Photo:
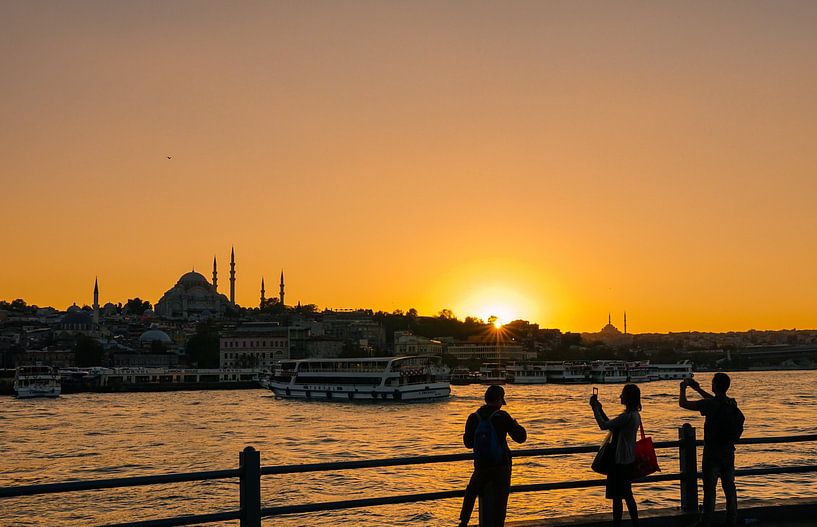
(463, 376)
(37, 381)
(492, 373)
(413, 378)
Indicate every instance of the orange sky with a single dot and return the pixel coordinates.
(551, 160)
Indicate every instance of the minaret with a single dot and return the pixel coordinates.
(263, 298)
(232, 276)
(96, 301)
(608, 319)
(282, 288)
(625, 322)
(215, 275)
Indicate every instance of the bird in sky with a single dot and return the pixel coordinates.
(170, 157)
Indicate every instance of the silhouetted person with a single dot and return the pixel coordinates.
(486, 432)
(623, 428)
(722, 428)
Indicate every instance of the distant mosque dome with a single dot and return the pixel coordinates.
(154, 334)
(74, 309)
(193, 279)
(192, 296)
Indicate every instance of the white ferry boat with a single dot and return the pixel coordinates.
(527, 374)
(564, 372)
(608, 371)
(492, 373)
(638, 371)
(37, 381)
(383, 378)
(678, 371)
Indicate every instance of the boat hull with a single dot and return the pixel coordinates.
(32, 392)
(334, 392)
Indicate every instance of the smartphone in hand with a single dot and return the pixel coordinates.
(595, 391)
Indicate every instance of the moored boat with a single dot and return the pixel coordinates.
(608, 371)
(37, 381)
(527, 373)
(566, 372)
(414, 378)
(638, 371)
(463, 376)
(492, 373)
(677, 371)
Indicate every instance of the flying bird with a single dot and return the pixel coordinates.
(170, 157)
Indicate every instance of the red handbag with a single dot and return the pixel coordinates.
(646, 461)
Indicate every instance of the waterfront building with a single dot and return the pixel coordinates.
(407, 343)
(356, 326)
(320, 347)
(487, 349)
(254, 345)
(192, 297)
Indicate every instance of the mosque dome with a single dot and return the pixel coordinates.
(74, 309)
(154, 334)
(192, 279)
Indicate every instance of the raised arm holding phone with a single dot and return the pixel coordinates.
(722, 428)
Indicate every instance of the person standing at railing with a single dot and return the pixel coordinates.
(623, 429)
(722, 428)
(486, 432)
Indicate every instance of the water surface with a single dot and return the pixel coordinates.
(86, 436)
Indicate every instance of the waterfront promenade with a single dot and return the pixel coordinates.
(360, 464)
(779, 513)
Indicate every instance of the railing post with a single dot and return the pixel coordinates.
(687, 455)
(250, 487)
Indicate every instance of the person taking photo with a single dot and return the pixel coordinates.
(623, 429)
(722, 428)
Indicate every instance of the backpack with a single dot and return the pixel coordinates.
(728, 421)
(488, 449)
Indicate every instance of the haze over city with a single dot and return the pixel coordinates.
(548, 161)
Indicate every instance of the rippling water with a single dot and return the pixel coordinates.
(85, 436)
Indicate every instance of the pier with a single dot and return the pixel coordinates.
(251, 510)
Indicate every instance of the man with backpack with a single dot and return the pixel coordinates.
(486, 432)
(722, 428)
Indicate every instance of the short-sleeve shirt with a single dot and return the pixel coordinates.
(711, 408)
(504, 424)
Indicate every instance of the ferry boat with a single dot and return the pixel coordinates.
(678, 371)
(492, 373)
(608, 371)
(527, 374)
(384, 379)
(564, 372)
(37, 381)
(638, 371)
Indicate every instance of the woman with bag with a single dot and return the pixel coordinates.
(618, 457)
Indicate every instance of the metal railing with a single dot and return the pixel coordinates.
(250, 473)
